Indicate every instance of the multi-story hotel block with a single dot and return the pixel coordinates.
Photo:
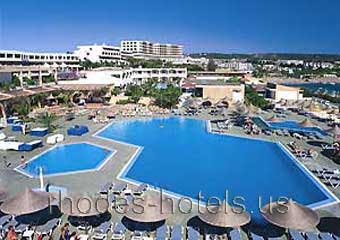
(57, 60)
(99, 53)
(149, 50)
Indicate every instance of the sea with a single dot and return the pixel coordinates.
(326, 88)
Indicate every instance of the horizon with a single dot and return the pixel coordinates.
(232, 27)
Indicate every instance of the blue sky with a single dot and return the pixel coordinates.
(241, 26)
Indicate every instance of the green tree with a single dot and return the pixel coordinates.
(47, 120)
(252, 97)
(211, 67)
(116, 91)
(168, 97)
(22, 108)
(15, 81)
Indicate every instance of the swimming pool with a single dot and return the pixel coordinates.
(288, 125)
(182, 157)
(66, 159)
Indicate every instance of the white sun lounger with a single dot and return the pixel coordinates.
(100, 232)
(119, 231)
(4, 220)
(255, 236)
(311, 236)
(57, 138)
(326, 236)
(4, 145)
(2, 136)
(295, 235)
(48, 227)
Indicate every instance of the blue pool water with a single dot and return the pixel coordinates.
(67, 158)
(180, 156)
(291, 126)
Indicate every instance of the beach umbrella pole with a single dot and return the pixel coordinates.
(41, 177)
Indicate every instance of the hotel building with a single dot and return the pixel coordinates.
(277, 92)
(99, 53)
(120, 77)
(215, 90)
(149, 50)
(57, 60)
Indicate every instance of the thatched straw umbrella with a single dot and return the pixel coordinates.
(335, 131)
(225, 216)
(3, 194)
(307, 123)
(290, 215)
(85, 210)
(154, 208)
(26, 202)
(273, 119)
(83, 205)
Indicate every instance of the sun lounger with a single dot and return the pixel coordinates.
(2, 136)
(101, 231)
(118, 232)
(57, 138)
(21, 227)
(48, 227)
(77, 130)
(106, 188)
(327, 146)
(275, 238)
(326, 236)
(4, 220)
(30, 146)
(10, 145)
(336, 236)
(39, 132)
(138, 235)
(235, 234)
(161, 232)
(193, 234)
(12, 222)
(140, 189)
(176, 232)
(255, 236)
(311, 236)
(295, 235)
(118, 189)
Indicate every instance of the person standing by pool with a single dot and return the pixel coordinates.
(23, 160)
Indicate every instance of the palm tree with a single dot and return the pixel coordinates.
(47, 119)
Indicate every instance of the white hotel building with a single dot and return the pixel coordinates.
(119, 76)
(99, 53)
(56, 60)
(149, 50)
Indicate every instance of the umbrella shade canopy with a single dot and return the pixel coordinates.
(307, 123)
(83, 205)
(3, 194)
(273, 119)
(225, 216)
(150, 209)
(290, 215)
(26, 202)
(336, 132)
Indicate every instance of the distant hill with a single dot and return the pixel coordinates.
(271, 56)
